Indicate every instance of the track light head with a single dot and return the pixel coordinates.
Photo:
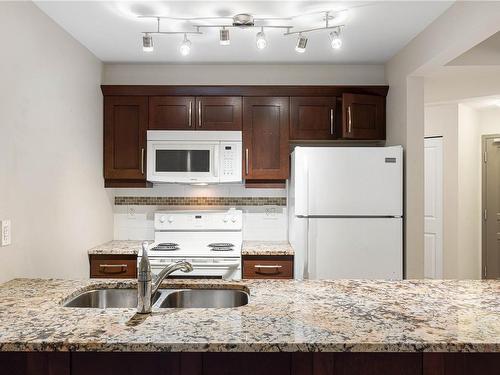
(147, 43)
(301, 44)
(224, 37)
(185, 47)
(335, 39)
(261, 39)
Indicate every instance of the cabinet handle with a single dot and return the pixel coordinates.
(349, 119)
(246, 161)
(268, 266)
(142, 160)
(190, 114)
(331, 121)
(119, 268)
(199, 114)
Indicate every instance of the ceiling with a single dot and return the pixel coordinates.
(374, 30)
(485, 53)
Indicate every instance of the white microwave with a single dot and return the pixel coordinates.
(194, 157)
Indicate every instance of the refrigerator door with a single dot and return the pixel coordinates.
(355, 248)
(348, 181)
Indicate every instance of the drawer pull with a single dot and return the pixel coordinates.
(268, 266)
(114, 268)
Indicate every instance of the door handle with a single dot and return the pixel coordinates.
(331, 121)
(142, 160)
(349, 119)
(246, 161)
(190, 114)
(199, 114)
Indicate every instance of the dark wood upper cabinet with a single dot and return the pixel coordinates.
(363, 117)
(125, 125)
(313, 118)
(171, 113)
(218, 113)
(265, 138)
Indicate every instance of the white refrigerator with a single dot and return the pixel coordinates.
(345, 207)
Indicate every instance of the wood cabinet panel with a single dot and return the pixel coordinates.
(313, 118)
(267, 267)
(125, 125)
(246, 363)
(461, 364)
(34, 363)
(113, 266)
(363, 117)
(265, 138)
(376, 364)
(218, 113)
(171, 113)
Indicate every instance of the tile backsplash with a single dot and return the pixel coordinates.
(200, 201)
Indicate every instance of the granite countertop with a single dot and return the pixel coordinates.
(283, 315)
(117, 248)
(266, 248)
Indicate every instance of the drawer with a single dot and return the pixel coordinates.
(267, 267)
(113, 266)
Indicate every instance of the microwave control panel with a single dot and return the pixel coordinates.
(230, 161)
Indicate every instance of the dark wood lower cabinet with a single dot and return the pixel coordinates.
(88, 363)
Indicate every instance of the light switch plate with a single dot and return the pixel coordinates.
(6, 233)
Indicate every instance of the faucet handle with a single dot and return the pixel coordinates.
(145, 246)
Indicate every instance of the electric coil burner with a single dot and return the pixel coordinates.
(210, 240)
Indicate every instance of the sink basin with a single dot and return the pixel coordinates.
(107, 298)
(205, 298)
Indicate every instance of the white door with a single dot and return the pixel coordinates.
(433, 236)
(355, 248)
(348, 181)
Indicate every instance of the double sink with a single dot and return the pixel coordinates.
(163, 298)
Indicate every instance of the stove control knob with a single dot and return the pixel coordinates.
(226, 219)
(170, 219)
(162, 219)
(233, 219)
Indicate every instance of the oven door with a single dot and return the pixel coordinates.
(222, 268)
(183, 162)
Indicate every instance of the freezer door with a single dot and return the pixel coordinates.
(348, 181)
(355, 248)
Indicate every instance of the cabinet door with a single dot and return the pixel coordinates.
(312, 118)
(125, 125)
(363, 116)
(218, 113)
(265, 138)
(171, 113)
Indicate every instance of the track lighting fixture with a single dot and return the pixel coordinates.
(301, 44)
(185, 47)
(335, 39)
(147, 43)
(261, 39)
(224, 37)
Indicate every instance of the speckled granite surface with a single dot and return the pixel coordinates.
(266, 248)
(117, 248)
(283, 315)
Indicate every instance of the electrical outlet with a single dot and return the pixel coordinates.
(6, 233)
(130, 212)
(271, 212)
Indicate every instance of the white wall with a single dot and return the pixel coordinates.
(258, 74)
(51, 184)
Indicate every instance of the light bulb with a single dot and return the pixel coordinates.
(301, 44)
(261, 40)
(147, 43)
(224, 37)
(185, 47)
(336, 40)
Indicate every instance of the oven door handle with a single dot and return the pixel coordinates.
(204, 265)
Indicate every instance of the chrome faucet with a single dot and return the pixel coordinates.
(148, 284)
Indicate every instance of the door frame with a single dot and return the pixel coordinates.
(484, 242)
(439, 257)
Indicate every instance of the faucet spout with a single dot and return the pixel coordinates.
(148, 284)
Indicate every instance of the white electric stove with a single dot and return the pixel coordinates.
(209, 240)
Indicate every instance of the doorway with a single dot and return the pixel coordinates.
(491, 206)
(433, 190)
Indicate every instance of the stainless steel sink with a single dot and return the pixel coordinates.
(164, 298)
(205, 298)
(107, 298)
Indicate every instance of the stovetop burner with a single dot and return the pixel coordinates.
(169, 246)
(221, 246)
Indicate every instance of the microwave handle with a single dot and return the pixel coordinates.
(216, 161)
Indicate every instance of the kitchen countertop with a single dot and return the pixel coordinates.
(117, 248)
(266, 248)
(283, 315)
